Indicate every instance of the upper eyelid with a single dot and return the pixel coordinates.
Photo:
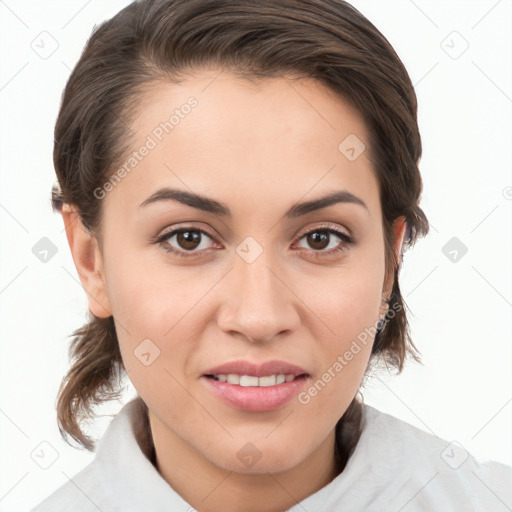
(326, 227)
(172, 231)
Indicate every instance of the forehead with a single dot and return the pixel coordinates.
(227, 137)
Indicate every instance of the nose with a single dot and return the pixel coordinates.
(258, 302)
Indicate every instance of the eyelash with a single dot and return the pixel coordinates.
(346, 241)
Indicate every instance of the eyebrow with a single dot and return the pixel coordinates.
(212, 206)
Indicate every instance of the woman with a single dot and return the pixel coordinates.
(238, 183)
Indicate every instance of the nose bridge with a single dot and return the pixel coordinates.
(259, 304)
(258, 284)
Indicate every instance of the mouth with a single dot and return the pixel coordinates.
(253, 380)
(256, 388)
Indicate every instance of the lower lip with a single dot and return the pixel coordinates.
(255, 398)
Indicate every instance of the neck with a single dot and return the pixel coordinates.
(207, 487)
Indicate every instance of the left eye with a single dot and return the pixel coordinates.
(321, 239)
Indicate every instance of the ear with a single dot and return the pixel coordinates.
(88, 262)
(399, 229)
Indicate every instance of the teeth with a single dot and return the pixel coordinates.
(269, 380)
(233, 378)
(247, 380)
(251, 380)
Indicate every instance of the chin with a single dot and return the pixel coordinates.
(259, 458)
(262, 467)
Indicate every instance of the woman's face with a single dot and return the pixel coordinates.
(255, 276)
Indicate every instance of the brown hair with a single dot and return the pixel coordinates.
(328, 40)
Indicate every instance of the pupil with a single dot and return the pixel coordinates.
(320, 238)
(189, 239)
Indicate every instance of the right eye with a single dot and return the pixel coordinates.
(186, 241)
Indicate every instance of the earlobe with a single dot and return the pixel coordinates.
(88, 262)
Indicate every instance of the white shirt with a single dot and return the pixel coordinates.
(395, 467)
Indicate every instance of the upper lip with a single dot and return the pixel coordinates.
(274, 367)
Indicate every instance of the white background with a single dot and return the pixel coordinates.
(461, 312)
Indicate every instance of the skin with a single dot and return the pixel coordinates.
(259, 148)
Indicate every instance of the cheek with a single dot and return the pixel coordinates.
(149, 297)
(352, 316)
(348, 300)
(348, 306)
(155, 310)
(350, 311)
